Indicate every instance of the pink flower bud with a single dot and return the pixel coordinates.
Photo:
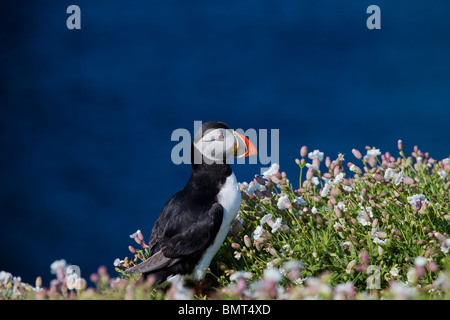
(421, 242)
(408, 180)
(447, 185)
(372, 162)
(287, 205)
(374, 223)
(381, 234)
(138, 241)
(275, 179)
(357, 154)
(378, 177)
(303, 151)
(132, 250)
(235, 245)
(365, 258)
(439, 236)
(400, 145)
(258, 194)
(260, 180)
(338, 212)
(335, 192)
(38, 282)
(420, 271)
(309, 174)
(333, 201)
(327, 175)
(432, 266)
(248, 241)
(336, 170)
(316, 162)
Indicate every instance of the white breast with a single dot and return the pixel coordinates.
(230, 199)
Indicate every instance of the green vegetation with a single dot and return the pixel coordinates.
(381, 233)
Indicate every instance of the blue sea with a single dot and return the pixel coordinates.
(86, 115)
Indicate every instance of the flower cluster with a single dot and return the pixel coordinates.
(377, 228)
(140, 255)
(392, 210)
(67, 285)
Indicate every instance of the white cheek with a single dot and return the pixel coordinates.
(212, 151)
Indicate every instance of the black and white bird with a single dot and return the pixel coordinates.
(194, 223)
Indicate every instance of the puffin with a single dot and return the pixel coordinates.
(195, 221)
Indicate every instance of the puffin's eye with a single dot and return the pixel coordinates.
(221, 137)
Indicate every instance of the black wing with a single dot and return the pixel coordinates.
(180, 234)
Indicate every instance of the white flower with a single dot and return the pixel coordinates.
(311, 166)
(316, 154)
(326, 180)
(314, 210)
(442, 174)
(402, 291)
(252, 187)
(445, 246)
(388, 174)
(399, 178)
(342, 206)
(292, 264)
(117, 262)
(276, 225)
(338, 178)
(4, 276)
(346, 243)
(361, 219)
(347, 188)
(240, 274)
(446, 161)
(343, 290)
(379, 241)
(281, 200)
(73, 279)
(416, 198)
(271, 171)
(265, 218)
(300, 201)
(373, 152)
(325, 190)
(134, 235)
(315, 180)
(57, 265)
(353, 168)
(272, 274)
(420, 261)
(394, 271)
(337, 225)
(258, 232)
(180, 291)
(441, 281)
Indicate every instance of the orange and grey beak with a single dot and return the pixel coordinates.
(243, 147)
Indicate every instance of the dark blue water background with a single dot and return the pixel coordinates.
(86, 115)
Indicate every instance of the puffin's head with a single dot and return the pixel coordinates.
(215, 142)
